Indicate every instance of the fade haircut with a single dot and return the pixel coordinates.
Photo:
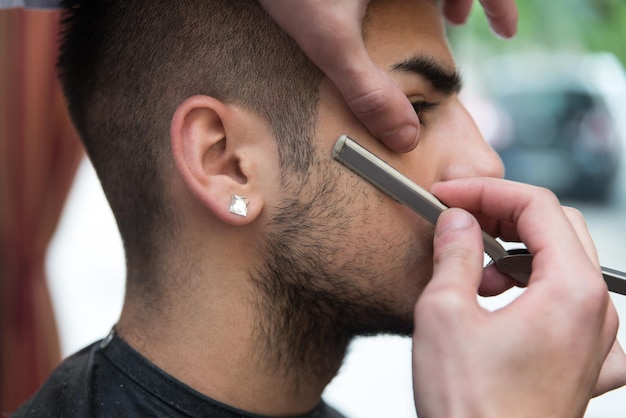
(125, 65)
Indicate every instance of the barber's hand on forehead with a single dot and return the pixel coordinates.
(545, 354)
(329, 32)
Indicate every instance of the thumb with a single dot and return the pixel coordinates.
(330, 34)
(376, 100)
(613, 372)
(457, 11)
(457, 254)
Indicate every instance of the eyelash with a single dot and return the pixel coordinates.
(423, 107)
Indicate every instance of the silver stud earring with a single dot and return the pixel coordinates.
(239, 205)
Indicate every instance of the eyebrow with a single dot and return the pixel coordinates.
(441, 79)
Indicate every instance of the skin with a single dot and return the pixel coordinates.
(543, 354)
(439, 156)
(235, 308)
(330, 33)
(372, 96)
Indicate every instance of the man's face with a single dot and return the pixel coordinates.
(363, 257)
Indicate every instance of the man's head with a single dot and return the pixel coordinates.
(194, 103)
(126, 65)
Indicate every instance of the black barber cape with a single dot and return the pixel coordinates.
(111, 379)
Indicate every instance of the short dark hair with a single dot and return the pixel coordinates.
(125, 65)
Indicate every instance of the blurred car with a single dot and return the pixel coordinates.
(556, 126)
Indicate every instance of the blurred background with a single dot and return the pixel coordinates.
(552, 102)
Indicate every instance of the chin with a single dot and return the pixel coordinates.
(383, 317)
(397, 326)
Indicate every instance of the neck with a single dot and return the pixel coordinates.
(241, 347)
(298, 333)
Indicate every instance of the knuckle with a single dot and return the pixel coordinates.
(546, 194)
(541, 196)
(599, 294)
(454, 250)
(370, 103)
(575, 217)
(593, 297)
(573, 212)
(441, 301)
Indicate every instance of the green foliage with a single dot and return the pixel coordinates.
(553, 25)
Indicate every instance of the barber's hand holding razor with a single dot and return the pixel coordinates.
(544, 355)
(330, 33)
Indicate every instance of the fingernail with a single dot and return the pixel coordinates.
(454, 219)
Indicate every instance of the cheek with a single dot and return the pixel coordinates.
(371, 240)
(395, 242)
(422, 165)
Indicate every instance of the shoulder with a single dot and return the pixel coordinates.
(89, 384)
(325, 411)
(64, 393)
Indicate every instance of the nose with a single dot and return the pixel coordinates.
(469, 154)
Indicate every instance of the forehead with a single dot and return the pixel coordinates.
(396, 30)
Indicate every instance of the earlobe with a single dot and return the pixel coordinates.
(210, 154)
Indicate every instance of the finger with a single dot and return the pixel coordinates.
(457, 11)
(502, 15)
(378, 103)
(580, 226)
(613, 372)
(504, 230)
(372, 96)
(457, 255)
(330, 33)
(536, 212)
(494, 282)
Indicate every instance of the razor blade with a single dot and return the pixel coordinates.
(516, 263)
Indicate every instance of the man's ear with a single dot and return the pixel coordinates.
(214, 155)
